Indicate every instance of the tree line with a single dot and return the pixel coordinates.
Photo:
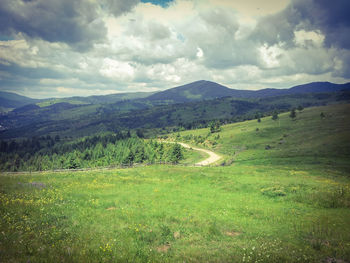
(47, 153)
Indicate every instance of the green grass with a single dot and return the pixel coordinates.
(47, 103)
(191, 157)
(307, 139)
(275, 205)
(218, 214)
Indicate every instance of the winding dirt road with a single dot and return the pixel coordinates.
(213, 157)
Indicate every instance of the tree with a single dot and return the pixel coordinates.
(139, 154)
(139, 133)
(300, 108)
(176, 153)
(214, 127)
(275, 116)
(3, 146)
(73, 162)
(292, 114)
(258, 115)
(129, 159)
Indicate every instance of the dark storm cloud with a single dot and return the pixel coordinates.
(75, 23)
(329, 17)
(334, 21)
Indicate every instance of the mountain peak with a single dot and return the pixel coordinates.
(198, 90)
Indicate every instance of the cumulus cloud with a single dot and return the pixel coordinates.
(119, 7)
(329, 18)
(73, 22)
(64, 47)
(77, 23)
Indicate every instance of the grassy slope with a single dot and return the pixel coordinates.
(263, 208)
(307, 139)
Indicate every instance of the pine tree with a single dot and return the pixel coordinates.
(275, 116)
(293, 114)
(129, 159)
(176, 153)
(214, 127)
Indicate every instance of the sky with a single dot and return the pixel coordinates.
(51, 48)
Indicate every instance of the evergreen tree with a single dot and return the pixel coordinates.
(293, 114)
(140, 133)
(275, 116)
(176, 153)
(129, 159)
(214, 127)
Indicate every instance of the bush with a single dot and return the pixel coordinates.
(274, 191)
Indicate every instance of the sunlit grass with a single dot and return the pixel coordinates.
(288, 203)
(164, 213)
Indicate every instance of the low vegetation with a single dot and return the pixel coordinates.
(282, 194)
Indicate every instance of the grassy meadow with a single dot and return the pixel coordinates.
(282, 194)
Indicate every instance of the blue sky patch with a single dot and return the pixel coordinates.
(5, 38)
(162, 3)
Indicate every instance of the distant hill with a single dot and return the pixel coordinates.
(186, 106)
(313, 87)
(207, 90)
(199, 90)
(319, 87)
(113, 98)
(89, 119)
(9, 100)
(195, 91)
(97, 99)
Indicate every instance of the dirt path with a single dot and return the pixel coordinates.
(213, 157)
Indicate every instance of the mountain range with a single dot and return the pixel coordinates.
(189, 106)
(195, 91)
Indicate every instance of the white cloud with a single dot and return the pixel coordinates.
(309, 38)
(117, 69)
(199, 53)
(242, 44)
(270, 55)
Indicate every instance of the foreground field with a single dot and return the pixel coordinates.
(159, 213)
(272, 204)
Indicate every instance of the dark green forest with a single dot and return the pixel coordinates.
(47, 153)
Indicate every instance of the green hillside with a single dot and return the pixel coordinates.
(288, 202)
(76, 120)
(308, 138)
(9, 101)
